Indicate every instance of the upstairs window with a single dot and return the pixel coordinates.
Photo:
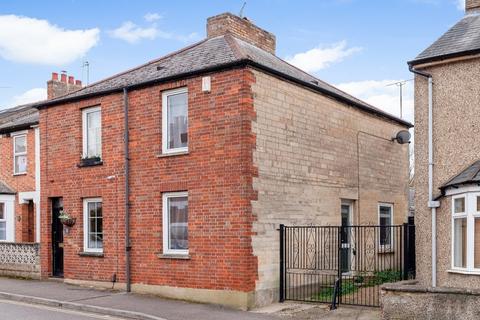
(3, 222)
(385, 218)
(20, 154)
(175, 121)
(92, 132)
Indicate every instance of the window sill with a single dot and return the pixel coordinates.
(91, 254)
(172, 154)
(20, 174)
(386, 250)
(174, 256)
(89, 163)
(467, 272)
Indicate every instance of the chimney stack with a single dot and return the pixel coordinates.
(472, 6)
(241, 28)
(57, 88)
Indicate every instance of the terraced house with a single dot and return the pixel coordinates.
(173, 177)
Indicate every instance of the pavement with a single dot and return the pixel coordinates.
(38, 299)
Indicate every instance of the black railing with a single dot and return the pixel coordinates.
(344, 263)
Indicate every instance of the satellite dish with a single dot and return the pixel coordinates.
(402, 137)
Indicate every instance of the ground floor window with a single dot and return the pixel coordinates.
(466, 232)
(93, 225)
(175, 223)
(385, 220)
(7, 215)
(3, 222)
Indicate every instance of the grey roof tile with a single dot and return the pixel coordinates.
(18, 117)
(467, 176)
(211, 53)
(463, 37)
(4, 189)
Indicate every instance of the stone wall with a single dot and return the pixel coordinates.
(428, 303)
(307, 160)
(20, 260)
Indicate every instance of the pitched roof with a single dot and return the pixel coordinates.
(462, 39)
(467, 176)
(4, 189)
(210, 55)
(18, 118)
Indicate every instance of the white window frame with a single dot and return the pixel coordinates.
(391, 245)
(165, 95)
(166, 222)
(9, 207)
(470, 214)
(86, 225)
(4, 220)
(16, 154)
(85, 112)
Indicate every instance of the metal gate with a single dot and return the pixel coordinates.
(344, 264)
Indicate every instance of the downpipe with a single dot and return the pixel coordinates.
(433, 205)
(127, 191)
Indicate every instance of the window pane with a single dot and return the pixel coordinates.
(385, 220)
(177, 106)
(460, 243)
(3, 230)
(2, 211)
(476, 262)
(178, 233)
(95, 225)
(478, 203)
(20, 144)
(20, 164)
(94, 134)
(459, 205)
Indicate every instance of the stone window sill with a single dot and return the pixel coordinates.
(91, 254)
(174, 256)
(20, 174)
(467, 272)
(173, 154)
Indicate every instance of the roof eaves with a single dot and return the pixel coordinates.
(416, 62)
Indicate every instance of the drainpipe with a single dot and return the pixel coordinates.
(127, 191)
(433, 205)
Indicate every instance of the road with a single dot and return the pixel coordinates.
(10, 310)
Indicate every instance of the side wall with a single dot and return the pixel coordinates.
(306, 154)
(24, 216)
(456, 118)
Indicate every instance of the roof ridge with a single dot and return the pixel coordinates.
(233, 44)
(138, 67)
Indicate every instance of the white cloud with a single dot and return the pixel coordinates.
(132, 33)
(32, 95)
(31, 40)
(151, 17)
(460, 4)
(383, 95)
(322, 57)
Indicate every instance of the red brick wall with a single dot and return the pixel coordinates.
(217, 173)
(20, 183)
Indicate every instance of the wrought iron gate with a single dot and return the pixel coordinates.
(344, 264)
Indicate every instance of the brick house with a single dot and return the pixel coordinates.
(447, 193)
(178, 172)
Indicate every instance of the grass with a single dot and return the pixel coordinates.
(350, 286)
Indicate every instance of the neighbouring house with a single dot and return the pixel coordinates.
(20, 184)
(176, 174)
(447, 176)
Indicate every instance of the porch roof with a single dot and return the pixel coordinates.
(5, 189)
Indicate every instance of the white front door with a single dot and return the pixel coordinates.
(7, 218)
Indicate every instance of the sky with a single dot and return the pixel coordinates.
(361, 46)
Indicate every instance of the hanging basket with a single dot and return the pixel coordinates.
(66, 219)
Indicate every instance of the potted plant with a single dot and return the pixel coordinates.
(66, 219)
(91, 160)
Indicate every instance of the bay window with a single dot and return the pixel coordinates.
(3, 222)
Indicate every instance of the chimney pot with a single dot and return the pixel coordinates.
(241, 28)
(71, 80)
(78, 82)
(55, 76)
(63, 77)
(472, 6)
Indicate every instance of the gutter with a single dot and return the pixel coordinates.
(128, 247)
(230, 65)
(432, 204)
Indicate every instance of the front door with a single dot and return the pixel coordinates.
(57, 238)
(345, 252)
